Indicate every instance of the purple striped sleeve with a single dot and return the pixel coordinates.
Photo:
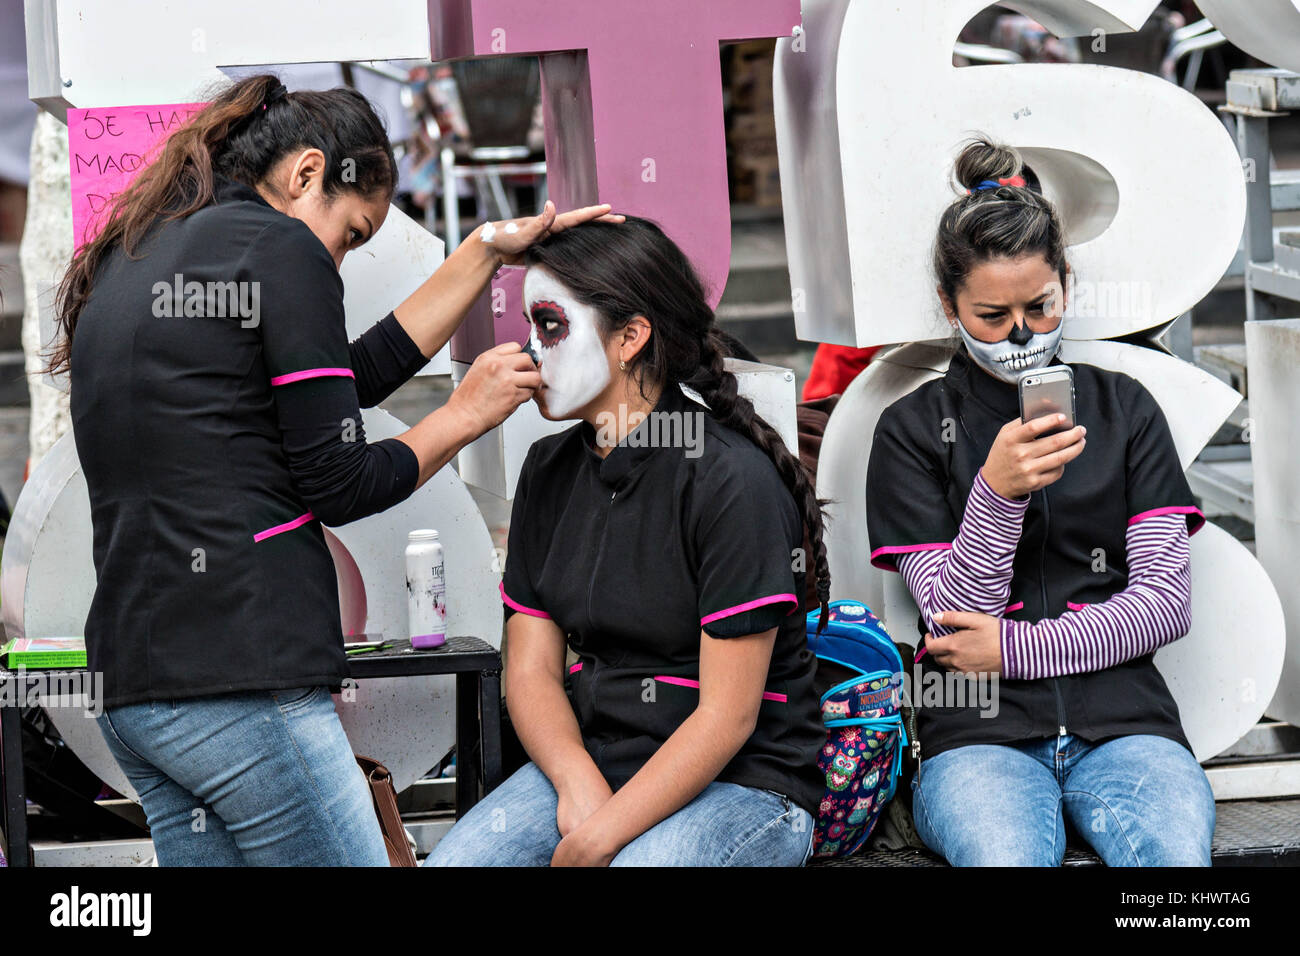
(1153, 610)
(975, 574)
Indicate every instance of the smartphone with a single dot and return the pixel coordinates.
(1048, 391)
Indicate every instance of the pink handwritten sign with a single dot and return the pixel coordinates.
(107, 146)
(632, 98)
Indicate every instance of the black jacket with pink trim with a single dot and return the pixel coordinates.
(927, 449)
(216, 407)
(684, 527)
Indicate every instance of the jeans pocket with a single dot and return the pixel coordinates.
(293, 698)
(109, 731)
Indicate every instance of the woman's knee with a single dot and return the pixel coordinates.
(987, 805)
(726, 825)
(1143, 800)
(514, 825)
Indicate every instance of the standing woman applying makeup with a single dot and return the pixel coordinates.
(1056, 563)
(219, 427)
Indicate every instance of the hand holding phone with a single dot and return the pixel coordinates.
(1031, 452)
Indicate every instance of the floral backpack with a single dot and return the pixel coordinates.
(859, 676)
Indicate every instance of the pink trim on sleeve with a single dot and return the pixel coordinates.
(1014, 607)
(290, 377)
(297, 522)
(530, 611)
(1173, 510)
(575, 668)
(887, 565)
(750, 605)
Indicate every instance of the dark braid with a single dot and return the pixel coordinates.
(630, 269)
(719, 389)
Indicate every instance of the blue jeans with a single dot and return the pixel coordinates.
(1138, 800)
(726, 825)
(265, 778)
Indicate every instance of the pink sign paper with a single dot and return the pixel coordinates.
(107, 146)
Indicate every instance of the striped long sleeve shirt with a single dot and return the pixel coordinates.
(974, 574)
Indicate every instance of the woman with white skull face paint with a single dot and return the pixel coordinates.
(669, 568)
(565, 338)
(997, 526)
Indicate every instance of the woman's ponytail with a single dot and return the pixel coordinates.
(243, 131)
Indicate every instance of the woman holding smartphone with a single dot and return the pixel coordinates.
(1055, 563)
(219, 426)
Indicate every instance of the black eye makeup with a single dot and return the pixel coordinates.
(550, 321)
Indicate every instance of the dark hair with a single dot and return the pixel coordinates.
(244, 131)
(1006, 222)
(633, 268)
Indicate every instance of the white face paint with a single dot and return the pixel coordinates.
(1008, 361)
(566, 335)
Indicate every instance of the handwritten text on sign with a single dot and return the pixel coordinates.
(107, 146)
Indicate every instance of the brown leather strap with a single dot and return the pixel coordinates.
(384, 796)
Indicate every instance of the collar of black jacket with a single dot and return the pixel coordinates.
(641, 442)
(230, 190)
(999, 397)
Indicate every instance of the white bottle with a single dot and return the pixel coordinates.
(426, 590)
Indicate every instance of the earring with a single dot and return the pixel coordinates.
(622, 366)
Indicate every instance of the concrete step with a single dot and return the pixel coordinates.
(756, 306)
(11, 297)
(763, 327)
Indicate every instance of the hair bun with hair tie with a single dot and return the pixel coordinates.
(992, 184)
(278, 93)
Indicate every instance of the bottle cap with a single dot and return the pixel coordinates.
(424, 534)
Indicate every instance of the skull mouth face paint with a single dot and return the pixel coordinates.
(565, 336)
(1008, 361)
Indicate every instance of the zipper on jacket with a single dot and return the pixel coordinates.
(914, 743)
(591, 586)
(1042, 584)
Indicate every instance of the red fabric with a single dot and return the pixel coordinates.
(833, 367)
